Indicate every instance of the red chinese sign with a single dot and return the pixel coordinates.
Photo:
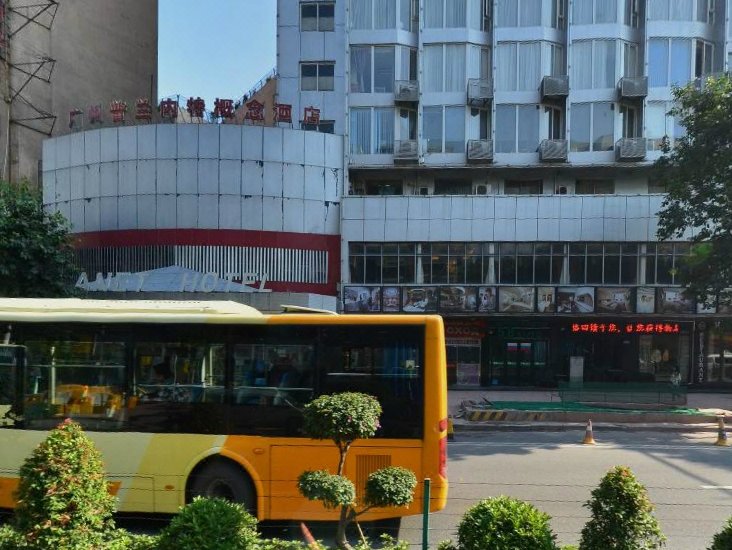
(94, 114)
(224, 108)
(143, 109)
(168, 109)
(196, 107)
(255, 110)
(311, 116)
(626, 328)
(282, 112)
(118, 109)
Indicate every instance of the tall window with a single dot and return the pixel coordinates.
(444, 129)
(631, 63)
(632, 13)
(317, 76)
(517, 128)
(587, 12)
(444, 68)
(660, 125)
(380, 14)
(372, 130)
(669, 61)
(317, 16)
(703, 58)
(673, 10)
(372, 69)
(592, 127)
(593, 64)
(518, 66)
(518, 13)
(446, 13)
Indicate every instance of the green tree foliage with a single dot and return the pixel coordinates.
(621, 515)
(211, 524)
(343, 418)
(63, 497)
(698, 176)
(35, 248)
(504, 523)
(723, 539)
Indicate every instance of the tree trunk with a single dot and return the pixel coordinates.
(341, 540)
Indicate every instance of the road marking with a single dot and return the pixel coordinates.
(607, 445)
(723, 487)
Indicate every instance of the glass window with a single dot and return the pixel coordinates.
(587, 12)
(455, 129)
(580, 127)
(681, 65)
(455, 68)
(383, 69)
(384, 130)
(326, 73)
(523, 187)
(594, 187)
(433, 76)
(432, 128)
(528, 128)
(658, 62)
(529, 70)
(507, 13)
(602, 127)
(582, 64)
(506, 66)
(433, 14)
(361, 69)
(308, 17)
(360, 135)
(456, 13)
(384, 14)
(308, 76)
(361, 11)
(603, 64)
(407, 124)
(505, 128)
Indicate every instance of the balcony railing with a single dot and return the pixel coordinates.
(633, 87)
(480, 150)
(480, 91)
(554, 87)
(406, 91)
(630, 149)
(406, 151)
(553, 150)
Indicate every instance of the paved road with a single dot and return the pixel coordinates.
(688, 479)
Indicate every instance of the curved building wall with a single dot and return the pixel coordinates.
(213, 199)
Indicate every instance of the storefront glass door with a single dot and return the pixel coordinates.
(518, 362)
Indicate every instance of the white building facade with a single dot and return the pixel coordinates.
(498, 160)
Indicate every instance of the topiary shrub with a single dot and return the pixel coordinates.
(621, 515)
(505, 523)
(10, 539)
(63, 497)
(210, 524)
(723, 539)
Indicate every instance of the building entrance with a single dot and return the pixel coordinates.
(518, 362)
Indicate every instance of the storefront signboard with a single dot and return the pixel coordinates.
(626, 328)
(701, 359)
(516, 299)
(362, 299)
(458, 299)
(576, 299)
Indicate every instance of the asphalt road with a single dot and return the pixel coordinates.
(688, 479)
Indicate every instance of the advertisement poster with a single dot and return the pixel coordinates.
(486, 299)
(391, 299)
(580, 299)
(457, 299)
(516, 299)
(362, 299)
(672, 300)
(614, 300)
(546, 299)
(645, 299)
(419, 300)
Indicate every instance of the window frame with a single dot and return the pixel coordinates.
(318, 65)
(318, 6)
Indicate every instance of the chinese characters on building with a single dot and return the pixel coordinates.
(626, 328)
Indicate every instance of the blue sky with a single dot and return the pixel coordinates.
(214, 48)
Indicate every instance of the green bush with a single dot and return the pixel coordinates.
(63, 497)
(210, 524)
(504, 523)
(621, 515)
(10, 539)
(342, 417)
(723, 539)
(331, 489)
(390, 486)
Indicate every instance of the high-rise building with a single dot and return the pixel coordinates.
(498, 157)
(61, 58)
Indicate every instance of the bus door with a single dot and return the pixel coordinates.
(11, 364)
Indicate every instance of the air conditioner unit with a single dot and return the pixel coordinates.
(481, 189)
(424, 190)
(480, 150)
(560, 190)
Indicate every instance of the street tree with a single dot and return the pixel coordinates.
(697, 173)
(36, 256)
(344, 418)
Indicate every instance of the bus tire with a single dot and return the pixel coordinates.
(223, 478)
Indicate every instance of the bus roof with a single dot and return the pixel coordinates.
(152, 311)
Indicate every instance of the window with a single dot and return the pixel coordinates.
(378, 14)
(453, 187)
(407, 63)
(703, 58)
(517, 128)
(559, 14)
(451, 57)
(519, 13)
(453, 124)
(383, 187)
(518, 66)
(660, 125)
(317, 76)
(631, 63)
(317, 16)
(591, 127)
(632, 17)
(521, 187)
(587, 12)
(671, 10)
(594, 187)
(446, 13)
(324, 127)
(479, 124)
(657, 186)
(593, 64)
(669, 62)
(372, 131)
(407, 124)
(632, 126)
(372, 69)
(555, 122)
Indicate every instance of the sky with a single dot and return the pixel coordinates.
(214, 48)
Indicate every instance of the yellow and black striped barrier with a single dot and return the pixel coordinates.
(513, 416)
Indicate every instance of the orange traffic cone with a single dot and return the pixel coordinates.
(589, 439)
(721, 434)
(308, 536)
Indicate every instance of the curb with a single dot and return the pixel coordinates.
(496, 426)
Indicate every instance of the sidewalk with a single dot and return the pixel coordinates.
(513, 410)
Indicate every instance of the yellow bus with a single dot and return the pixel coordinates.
(205, 398)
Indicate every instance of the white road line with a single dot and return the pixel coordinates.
(723, 487)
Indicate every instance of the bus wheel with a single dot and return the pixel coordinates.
(222, 478)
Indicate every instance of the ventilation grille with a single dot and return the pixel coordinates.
(365, 466)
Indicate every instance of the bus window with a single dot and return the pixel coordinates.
(82, 378)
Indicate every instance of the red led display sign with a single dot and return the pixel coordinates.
(626, 328)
